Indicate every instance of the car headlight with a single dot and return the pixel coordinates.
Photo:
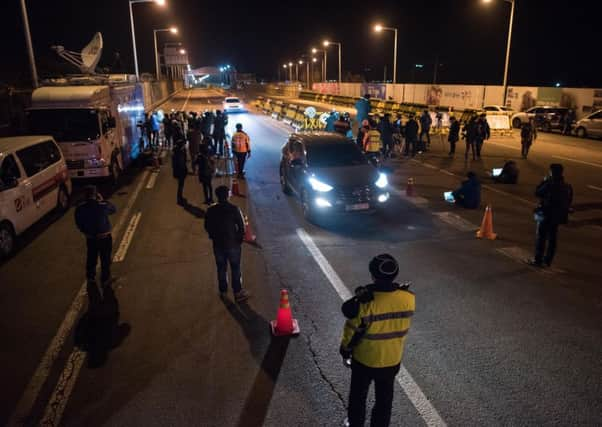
(323, 203)
(319, 186)
(382, 181)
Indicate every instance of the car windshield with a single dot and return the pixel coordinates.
(334, 155)
(232, 101)
(64, 125)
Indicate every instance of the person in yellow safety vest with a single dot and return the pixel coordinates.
(241, 147)
(372, 143)
(379, 317)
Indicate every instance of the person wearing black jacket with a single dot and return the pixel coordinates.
(411, 134)
(206, 166)
(92, 219)
(385, 127)
(180, 170)
(483, 132)
(454, 135)
(219, 132)
(556, 198)
(226, 228)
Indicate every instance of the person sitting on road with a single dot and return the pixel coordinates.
(509, 174)
(469, 193)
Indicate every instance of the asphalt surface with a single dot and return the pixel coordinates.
(493, 342)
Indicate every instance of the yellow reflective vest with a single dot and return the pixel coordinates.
(241, 143)
(372, 141)
(388, 317)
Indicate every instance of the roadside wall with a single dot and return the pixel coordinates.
(460, 97)
(157, 92)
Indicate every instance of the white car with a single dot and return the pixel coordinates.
(498, 109)
(233, 105)
(590, 125)
(34, 180)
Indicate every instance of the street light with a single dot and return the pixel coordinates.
(328, 43)
(379, 28)
(172, 30)
(131, 2)
(324, 62)
(182, 51)
(507, 64)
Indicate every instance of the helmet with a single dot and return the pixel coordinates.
(384, 267)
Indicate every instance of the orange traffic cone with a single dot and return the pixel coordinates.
(235, 190)
(284, 323)
(249, 236)
(410, 188)
(486, 230)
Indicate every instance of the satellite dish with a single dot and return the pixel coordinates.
(87, 59)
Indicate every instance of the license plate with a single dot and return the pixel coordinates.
(358, 207)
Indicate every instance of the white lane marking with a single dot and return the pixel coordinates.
(503, 145)
(428, 165)
(126, 240)
(593, 187)
(512, 196)
(40, 375)
(521, 255)
(424, 407)
(455, 221)
(186, 102)
(446, 172)
(151, 180)
(57, 403)
(596, 165)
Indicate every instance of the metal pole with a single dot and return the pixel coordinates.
(297, 72)
(395, 59)
(157, 69)
(307, 76)
(512, 2)
(340, 54)
(134, 41)
(32, 60)
(325, 64)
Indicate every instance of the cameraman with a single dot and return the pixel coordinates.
(92, 219)
(373, 340)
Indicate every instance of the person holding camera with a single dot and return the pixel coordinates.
(92, 219)
(379, 317)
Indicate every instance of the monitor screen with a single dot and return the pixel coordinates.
(496, 171)
(449, 197)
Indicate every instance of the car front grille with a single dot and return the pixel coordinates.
(75, 164)
(353, 195)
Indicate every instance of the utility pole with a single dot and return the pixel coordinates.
(32, 60)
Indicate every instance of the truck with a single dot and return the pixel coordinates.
(94, 119)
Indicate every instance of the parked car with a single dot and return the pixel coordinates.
(498, 109)
(590, 125)
(546, 118)
(34, 180)
(330, 175)
(233, 105)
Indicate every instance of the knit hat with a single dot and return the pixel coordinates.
(384, 267)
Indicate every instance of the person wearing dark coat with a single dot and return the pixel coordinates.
(92, 219)
(469, 193)
(528, 134)
(425, 129)
(180, 170)
(411, 134)
(219, 132)
(483, 132)
(556, 197)
(206, 166)
(454, 135)
(470, 135)
(385, 127)
(509, 174)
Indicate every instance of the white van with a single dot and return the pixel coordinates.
(34, 180)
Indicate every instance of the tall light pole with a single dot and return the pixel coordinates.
(379, 28)
(328, 43)
(507, 64)
(300, 62)
(324, 62)
(160, 3)
(172, 30)
(313, 61)
(32, 59)
(290, 71)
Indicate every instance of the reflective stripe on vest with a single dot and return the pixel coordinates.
(240, 142)
(381, 336)
(373, 144)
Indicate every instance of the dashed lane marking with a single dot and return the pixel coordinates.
(127, 238)
(422, 404)
(455, 221)
(521, 255)
(151, 180)
(186, 102)
(40, 375)
(596, 165)
(593, 187)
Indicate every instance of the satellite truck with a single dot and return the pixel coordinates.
(93, 117)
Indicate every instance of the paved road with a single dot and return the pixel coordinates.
(494, 342)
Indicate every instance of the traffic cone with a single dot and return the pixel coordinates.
(486, 230)
(249, 236)
(235, 190)
(410, 188)
(284, 323)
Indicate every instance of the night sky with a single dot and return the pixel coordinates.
(553, 40)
